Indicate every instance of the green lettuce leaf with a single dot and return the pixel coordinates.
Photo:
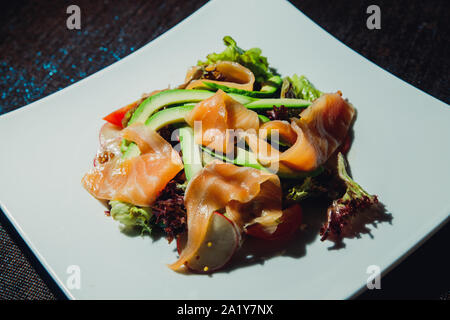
(251, 59)
(131, 216)
(299, 87)
(309, 188)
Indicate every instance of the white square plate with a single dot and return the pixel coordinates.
(400, 152)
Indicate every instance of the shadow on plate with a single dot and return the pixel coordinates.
(257, 251)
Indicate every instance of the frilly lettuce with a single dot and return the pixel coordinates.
(299, 87)
(251, 59)
(348, 215)
(131, 216)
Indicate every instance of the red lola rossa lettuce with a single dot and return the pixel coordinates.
(348, 216)
(169, 210)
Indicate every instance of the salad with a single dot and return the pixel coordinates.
(231, 153)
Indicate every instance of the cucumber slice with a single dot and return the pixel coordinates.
(272, 84)
(207, 158)
(287, 173)
(243, 158)
(270, 103)
(268, 89)
(248, 159)
(263, 119)
(229, 90)
(191, 153)
(175, 96)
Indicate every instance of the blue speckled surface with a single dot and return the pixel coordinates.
(41, 56)
(54, 73)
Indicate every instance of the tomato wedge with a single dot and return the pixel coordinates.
(117, 116)
(290, 222)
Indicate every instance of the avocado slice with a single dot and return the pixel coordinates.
(192, 158)
(190, 150)
(131, 151)
(179, 96)
(172, 115)
(157, 121)
(175, 96)
(168, 116)
(146, 110)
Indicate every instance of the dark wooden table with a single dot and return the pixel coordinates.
(39, 55)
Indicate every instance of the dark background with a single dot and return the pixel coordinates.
(39, 56)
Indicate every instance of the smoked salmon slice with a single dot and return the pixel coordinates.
(231, 74)
(248, 195)
(322, 127)
(138, 180)
(213, 118)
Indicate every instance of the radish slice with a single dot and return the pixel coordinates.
(221, 242)
(108, 133)
(110, 139)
